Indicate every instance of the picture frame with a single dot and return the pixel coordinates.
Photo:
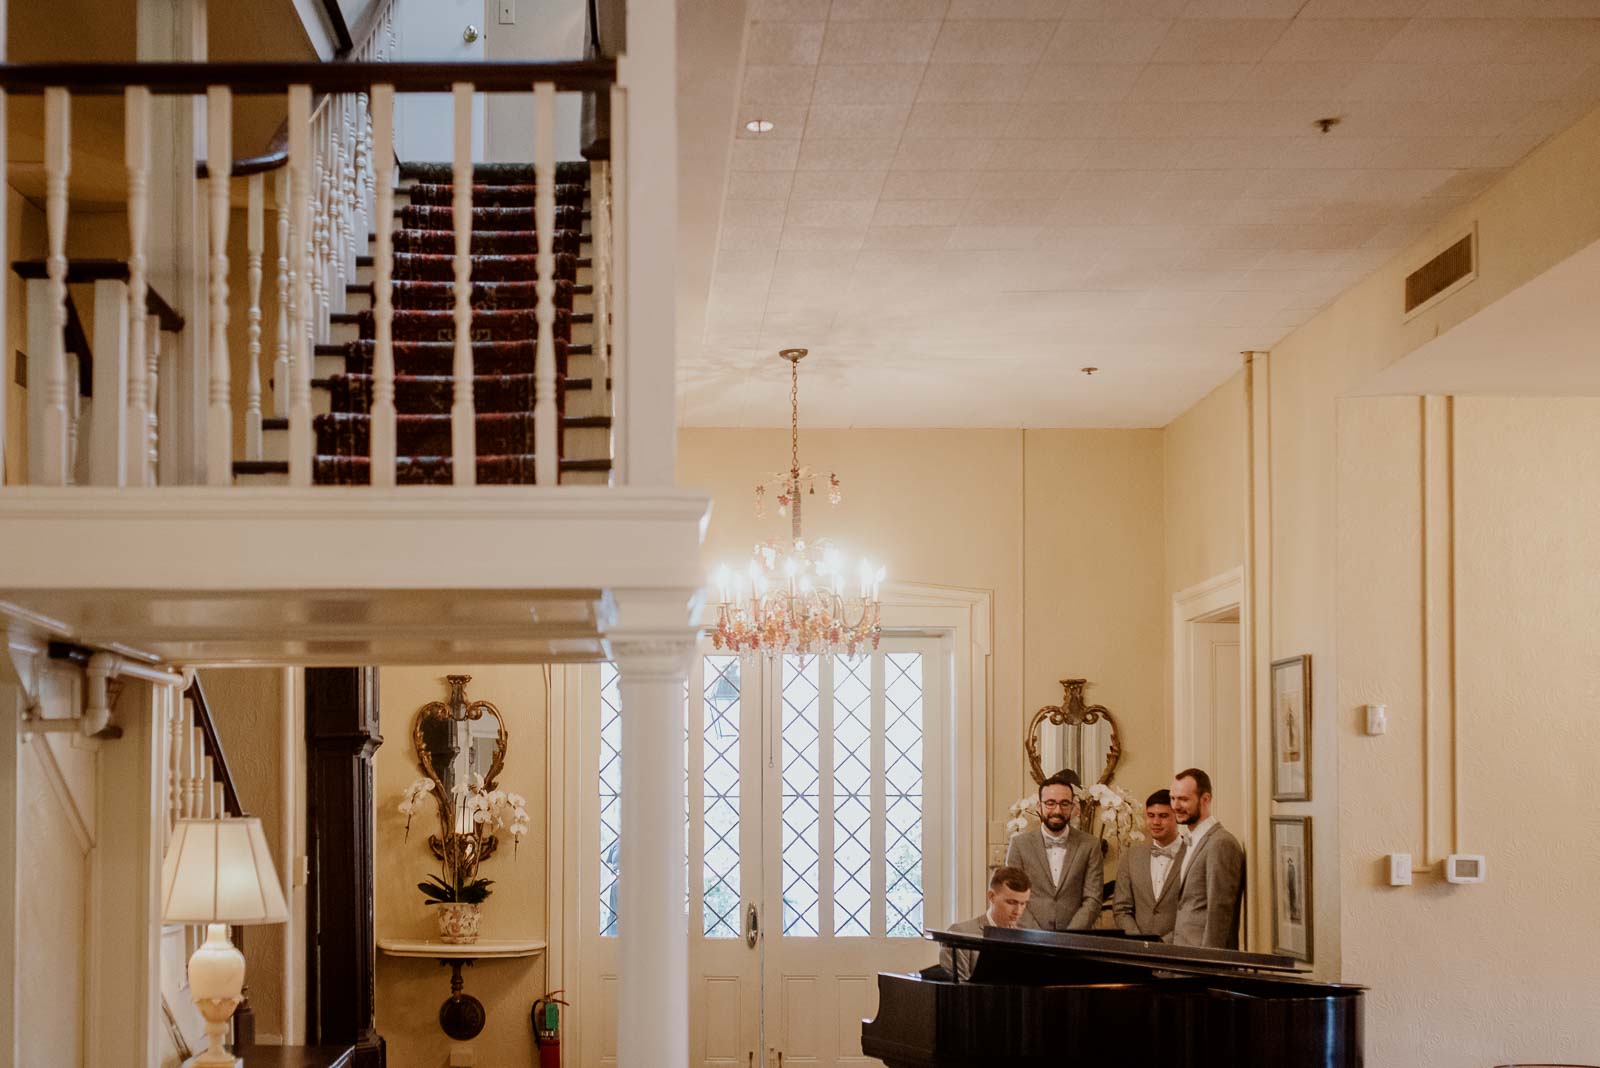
(1292, 905)
(1291, 728)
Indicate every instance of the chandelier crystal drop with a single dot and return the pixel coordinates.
(802, 596)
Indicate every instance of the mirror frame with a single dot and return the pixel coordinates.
(1073, 711)
(457, 708)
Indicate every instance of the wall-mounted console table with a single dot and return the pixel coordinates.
(462, 1016)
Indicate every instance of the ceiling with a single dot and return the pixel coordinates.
(964, 202)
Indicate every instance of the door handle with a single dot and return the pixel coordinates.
(752, 926)
(470, 34)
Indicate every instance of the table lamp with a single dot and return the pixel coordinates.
(219, 872)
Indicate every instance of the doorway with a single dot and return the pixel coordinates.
(818, 841)
(1210, 724)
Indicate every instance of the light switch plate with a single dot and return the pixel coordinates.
(508, 12)
(1399, 869)
(461, 1057)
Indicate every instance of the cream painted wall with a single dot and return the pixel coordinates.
(1064, 526)
(546, 29)
(1204, 505)
(409, 991)
(247, 706)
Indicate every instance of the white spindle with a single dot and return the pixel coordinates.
(191, 761)
(546, 429)
(317, 310)
(300, 440)
(280, 362)
(619, 274)
(383, 411)
(53, 464)
(109, 422)
(600, 210)
(208, 796)
(219, 164)
(348, 203)
(219, 800)
(136, 103)
(152, 360)
(361, 135)
(255, 224)
(175, 707)
(74, 415)
(463, 419)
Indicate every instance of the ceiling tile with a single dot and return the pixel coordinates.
(1242, 9)
(1007, 9)
(753, 213)
(836, 213)
(1360, 9)
(986, 212)
(838, 185)
(1073, 82)
(887, 10)
(1227, 153)
(1328, 151)
(973, 83)
(783, 42)
(767, 84)
(1137, 154)
(831, 238)
(1270, 211)
(763, 155)
(992, 41)
(1550, 40)
(907, 237)
(1106, 41)
(1124, 9)
(845, 155)
(953, 154)
(931, 185)
(1303, 81)
(1024, 184)
(1203, 185)
(1027, 154)
(1191, 82)
(1334, 40)
(883, 83)
(789, 10)
(1428, 40)
(1505, 9)
(736, 238)
(930, 121)
(993, 237)
(879, 42)
(1058, 120)
(853, 121)
(1095, 185)
(917, 213)
(1451, 83)
(1220, 40)
(759, 185)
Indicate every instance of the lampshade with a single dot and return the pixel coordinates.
(220, 871)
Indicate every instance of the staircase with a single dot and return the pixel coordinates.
(504, 333)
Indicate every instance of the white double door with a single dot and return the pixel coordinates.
(815, 843)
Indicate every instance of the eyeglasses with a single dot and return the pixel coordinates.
(1056, 804)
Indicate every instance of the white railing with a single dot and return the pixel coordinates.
(338, 186)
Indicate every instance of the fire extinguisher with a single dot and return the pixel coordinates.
(546, 1018)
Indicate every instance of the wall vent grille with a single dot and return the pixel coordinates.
(1450, 269)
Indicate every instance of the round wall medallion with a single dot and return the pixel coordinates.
(461, 1017)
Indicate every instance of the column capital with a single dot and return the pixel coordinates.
(653, 657)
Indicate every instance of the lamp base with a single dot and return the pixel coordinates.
(216, 982)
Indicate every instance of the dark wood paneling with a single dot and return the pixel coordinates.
(341, 736)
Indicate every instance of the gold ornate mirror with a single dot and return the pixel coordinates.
(456, 739)
(1073, 735)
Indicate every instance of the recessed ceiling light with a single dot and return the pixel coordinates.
(759, 126)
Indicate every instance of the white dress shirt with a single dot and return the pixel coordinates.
(1056, 857)
(1194, 837)
(1160, 865)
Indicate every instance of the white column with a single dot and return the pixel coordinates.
(653, 1001)
(108, 433)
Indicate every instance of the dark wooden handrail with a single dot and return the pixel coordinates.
(343, 43)
(267, 79)
(84, 271)
(220, 771)
(275, 156)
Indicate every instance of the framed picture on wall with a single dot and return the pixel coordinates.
(1291, 729)
(1291, 886)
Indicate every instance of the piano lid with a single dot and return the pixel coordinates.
(1192, 960)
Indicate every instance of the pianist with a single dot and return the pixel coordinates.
(1064, 864)
(1009, 890)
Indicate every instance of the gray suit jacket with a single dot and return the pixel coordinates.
(964, 959)
(1074, 903)
(1212, 892)
(1138, 910)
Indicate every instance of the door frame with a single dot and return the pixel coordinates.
(964, 616)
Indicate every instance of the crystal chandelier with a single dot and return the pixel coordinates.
(803, 596)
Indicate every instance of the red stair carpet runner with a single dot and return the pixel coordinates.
(504, 330)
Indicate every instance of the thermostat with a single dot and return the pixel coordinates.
(1464, 868)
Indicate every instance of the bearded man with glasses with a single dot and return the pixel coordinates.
(1064, 864)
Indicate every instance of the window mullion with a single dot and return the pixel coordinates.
(880, 922)
(825, 863)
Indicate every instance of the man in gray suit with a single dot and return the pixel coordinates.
(1211, 872)
(1008, 894)
(1146, 899)
(1064, 864)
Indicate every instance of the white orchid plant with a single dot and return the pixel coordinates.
(474, 814)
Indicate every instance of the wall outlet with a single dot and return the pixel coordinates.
(1377, 719)
(1399, 869)
(997, 855)
(508, 12)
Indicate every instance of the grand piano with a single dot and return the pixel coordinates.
(1041, 998)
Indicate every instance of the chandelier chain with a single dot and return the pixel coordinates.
(794, 419)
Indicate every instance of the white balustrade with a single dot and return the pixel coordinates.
(546, 426)
(219, 165)
(600, 210)
(617, 366)
(463, 418)
(152, 360)
(300, 433)
(383, 443)
(48, 449)
(280, 362)
(141, 402)
(255, 224)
